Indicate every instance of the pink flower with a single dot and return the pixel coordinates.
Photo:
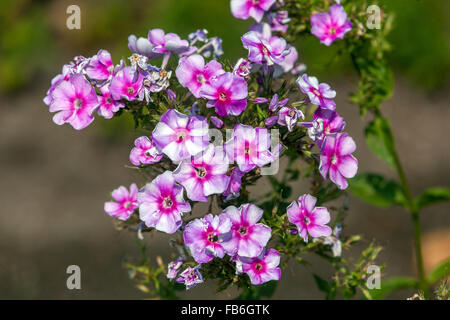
(336, 158)
(107, 105)
(174, 267)
(190, 277)
(278, 21)
(193, 73)
(64, 76)
(234, 185)
(126, 84)
(330, 121)
(204, 237)
(204, 174)
(288, 63)
(249, 147)
(142, 46)
(180, 136)
(264, 51)
(263, 268)
(242, 68)
(100, 66)
(263, 29)
(289, 116)
(125, 202)
(308, 218)
(75, 100)
(166, 43)
(330, 26)
(243, 9)
(248, 237)
(227, 93)
(161, 203)
(144, 152)
(319, 94)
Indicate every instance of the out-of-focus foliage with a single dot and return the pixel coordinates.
(421, 40)
(25, 43)
(32, 33)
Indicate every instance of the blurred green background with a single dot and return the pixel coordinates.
(54, 179)
(33, 35)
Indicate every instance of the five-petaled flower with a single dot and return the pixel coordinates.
(243, 9)
(204, 174)
(330, 26)
(264, 51)
(308, 218)
(249, 147)
(101, 66)
(144, 152)
(124, 204)
(180, 136)
(74, 101)
(126, 84)
(336, 158)
(248, 237)
(227, 93)
(107, 105)
(190, 277)
(262, 268)
(319, 94)
(161, 203)
(330, 122)
(193, 73)
(204, 237)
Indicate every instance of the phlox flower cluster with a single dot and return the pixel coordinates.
(191, 168)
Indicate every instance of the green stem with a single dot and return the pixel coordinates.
(423, 285)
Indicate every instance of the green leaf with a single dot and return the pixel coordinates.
(391, 284)
(380, 140)
(322, 284)
(440, 272)
(432, 196)
(376, 190)
(265, 290)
